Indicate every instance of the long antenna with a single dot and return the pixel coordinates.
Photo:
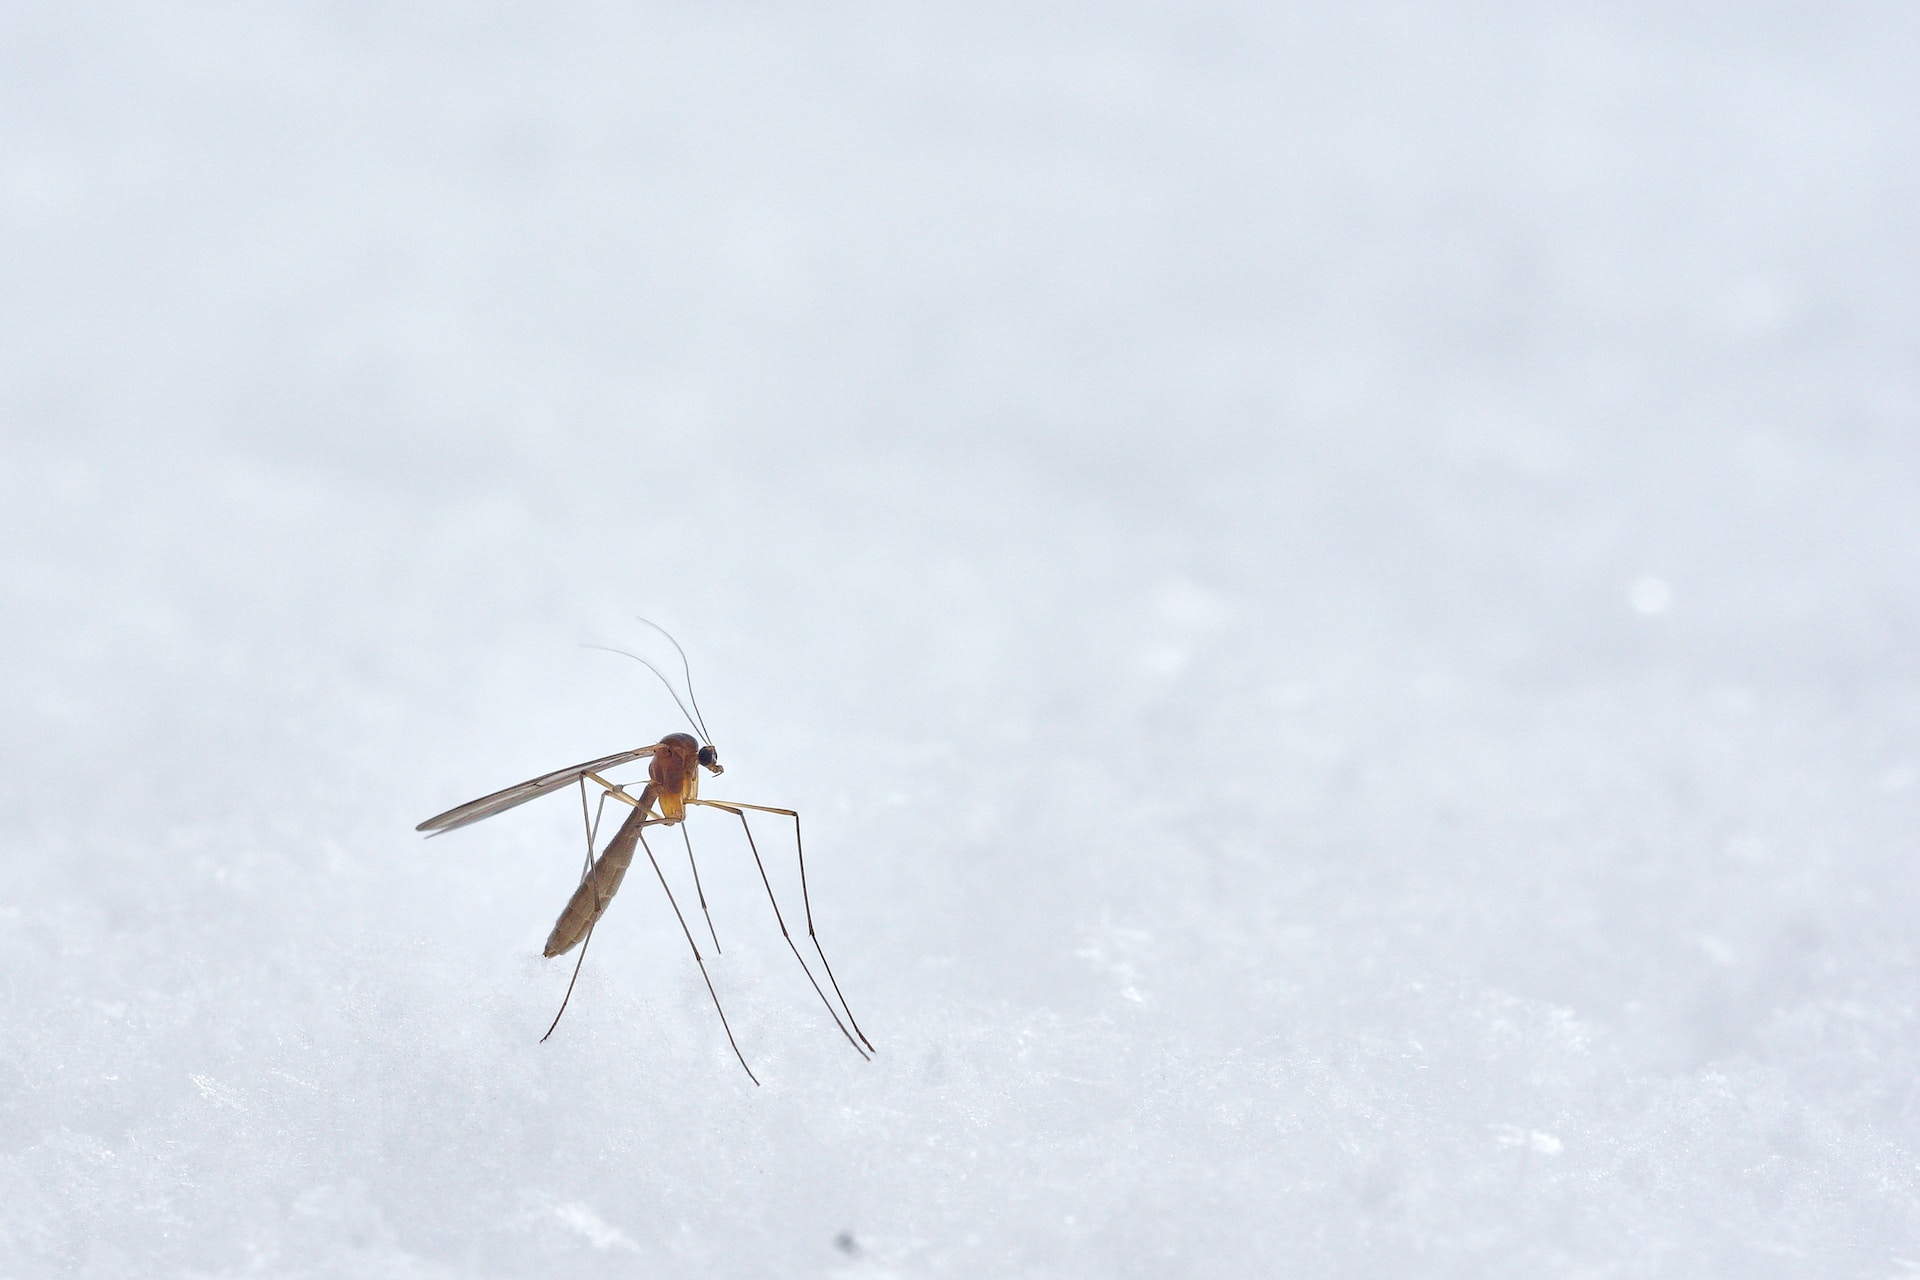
(663, 680)
(686, 669)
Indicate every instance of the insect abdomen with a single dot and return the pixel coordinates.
(601, 883)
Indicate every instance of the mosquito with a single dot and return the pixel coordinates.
(673, 785)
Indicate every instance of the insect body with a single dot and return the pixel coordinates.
(673, 779)
(673, 785)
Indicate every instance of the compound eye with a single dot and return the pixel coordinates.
(708, 757)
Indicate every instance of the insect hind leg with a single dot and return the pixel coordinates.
(578, 961)
(592, 827)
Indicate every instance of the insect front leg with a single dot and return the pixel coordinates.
(735, 808)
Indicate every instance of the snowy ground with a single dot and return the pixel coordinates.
(1339, 587)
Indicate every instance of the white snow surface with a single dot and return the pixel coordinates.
(1338, 586)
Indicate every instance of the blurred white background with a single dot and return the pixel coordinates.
(1339, 586)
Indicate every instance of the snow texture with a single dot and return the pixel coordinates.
(1338, 585)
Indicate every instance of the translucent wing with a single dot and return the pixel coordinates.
(532, 789)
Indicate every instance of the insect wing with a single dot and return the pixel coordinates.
(519, 794)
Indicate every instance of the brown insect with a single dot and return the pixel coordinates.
(673, 784)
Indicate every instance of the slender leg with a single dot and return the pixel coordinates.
(619, 792)
(593, 827)
(697, 960)
(584, 944)
(698, 890)
(592, 831)
(801, 850)
(735, 810)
